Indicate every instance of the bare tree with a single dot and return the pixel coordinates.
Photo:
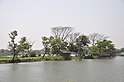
(62, 32)
(72, 37)
(96, 37)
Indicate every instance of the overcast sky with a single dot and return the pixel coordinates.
(34, 18)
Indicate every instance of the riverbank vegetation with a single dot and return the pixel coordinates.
(61, 45)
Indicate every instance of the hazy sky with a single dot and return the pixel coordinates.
(34, 18)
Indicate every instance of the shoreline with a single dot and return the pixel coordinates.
(40, 59)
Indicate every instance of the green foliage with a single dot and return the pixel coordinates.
(63, 39)
(94, 50)
(5, 58)
(73, 47)
(106, 46)
(53, 58)
(13, 45)
(32, 54)
(30, 59)
(23, 56)
(46, 42)
(96, 37)
(82, 42)
(53, 45)
(78, 44)
(24, 46)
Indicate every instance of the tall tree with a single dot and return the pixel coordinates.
(62, 32)
(96, 37)
(73, 47)
(13, 45)
(106, 47)
(25, 46)
(72, 42)
(22, 45)
(72, 37)
(45, 42)
(82, 42)
(56, 46)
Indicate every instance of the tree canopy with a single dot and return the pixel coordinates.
(65, 39)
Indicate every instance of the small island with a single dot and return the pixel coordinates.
(63, 44)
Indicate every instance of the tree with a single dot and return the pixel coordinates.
(13, 45)
(45, 42)
(56, 46)
(106, 47)
(73, 47)
(72, 37)
(94, 39)
(64, 39)
(72, 42)
(94, 50)
(24, 46)
(29, 46)
(82, 42)
(62, 32)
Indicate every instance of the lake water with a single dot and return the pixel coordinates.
(98, 70)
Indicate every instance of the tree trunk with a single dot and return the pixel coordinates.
(43, 56)
(14, 54)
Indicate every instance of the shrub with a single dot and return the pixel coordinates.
(58, 58)
(23, 56)
(53, 58)
(33, 54)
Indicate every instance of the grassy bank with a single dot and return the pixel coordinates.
(4, 59)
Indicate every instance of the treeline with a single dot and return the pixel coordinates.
(64, 39)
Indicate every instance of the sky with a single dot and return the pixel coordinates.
(35, 18)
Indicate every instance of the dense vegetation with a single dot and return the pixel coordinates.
(63, 39)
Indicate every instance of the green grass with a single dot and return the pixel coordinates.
(30, 59)
(5, 58)
(53, 58)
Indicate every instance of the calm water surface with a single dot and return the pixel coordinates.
(99, 70)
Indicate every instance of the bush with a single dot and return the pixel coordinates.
(23, 56)
(33, 54)
(58, 58)
(53, 58)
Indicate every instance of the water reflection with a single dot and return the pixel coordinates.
(101, 70)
